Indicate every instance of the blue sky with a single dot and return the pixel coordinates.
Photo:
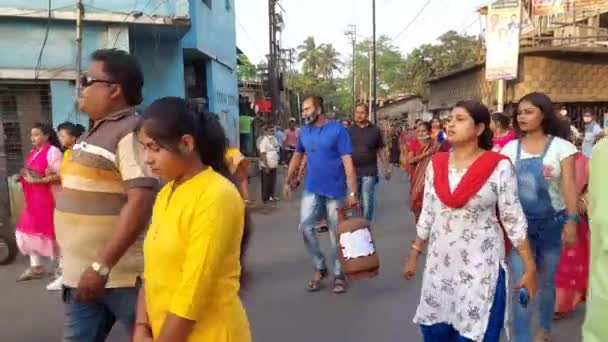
(326, 20)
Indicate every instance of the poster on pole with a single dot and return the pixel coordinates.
(549, 7)
(502, 40)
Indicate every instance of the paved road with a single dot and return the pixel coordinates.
(279, 308)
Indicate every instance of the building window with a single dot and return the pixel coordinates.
(21, 106)
(208, 3)
(228, 5)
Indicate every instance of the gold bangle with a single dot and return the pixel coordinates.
(416, 248)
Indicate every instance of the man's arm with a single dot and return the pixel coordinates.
(351, 174)
(132, 221)
(294, 167)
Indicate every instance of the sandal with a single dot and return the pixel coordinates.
(314, 284)
(339, 285)
(30, 274)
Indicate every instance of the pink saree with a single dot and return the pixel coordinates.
(571, 279)
(35, 232)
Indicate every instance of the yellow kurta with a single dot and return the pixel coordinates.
(192, 259)
(234, 158)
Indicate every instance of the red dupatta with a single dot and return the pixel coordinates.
(473, 180)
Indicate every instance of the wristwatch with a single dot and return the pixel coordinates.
(101, 269)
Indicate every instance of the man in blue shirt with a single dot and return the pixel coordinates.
(328, 149)
(593, 132)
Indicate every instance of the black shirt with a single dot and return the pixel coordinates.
(366, 142)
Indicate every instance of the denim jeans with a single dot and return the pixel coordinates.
(92, 322)
(545, 242)
(310, 213)
(366, 188)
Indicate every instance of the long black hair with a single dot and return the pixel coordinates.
(480, 115)
(168, 119)
(48, 130)
(552, 124)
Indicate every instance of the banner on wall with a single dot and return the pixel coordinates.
(553, 7)
(549, 7)
(502, 40)
(589, 5)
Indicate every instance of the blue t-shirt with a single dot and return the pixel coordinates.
(324, 147)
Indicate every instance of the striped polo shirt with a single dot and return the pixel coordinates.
(102, 166)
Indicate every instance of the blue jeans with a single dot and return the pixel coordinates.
(366, 188)
(545, 242)
(92, 322)
(310, 213)
(443, 332)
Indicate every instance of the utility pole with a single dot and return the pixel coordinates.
(351, 32)
(374, 58)
(79, 14)
(273, 57)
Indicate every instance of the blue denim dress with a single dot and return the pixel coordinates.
(544, 233)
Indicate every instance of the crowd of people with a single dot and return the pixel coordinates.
(502, 205)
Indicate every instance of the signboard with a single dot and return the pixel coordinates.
(548, 7)
(502, 40)
(552, 7)
(589, 5)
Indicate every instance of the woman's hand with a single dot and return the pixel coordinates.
(29, 179)
(569, 234)
(582, 205)
(528, 281)
(409, 270)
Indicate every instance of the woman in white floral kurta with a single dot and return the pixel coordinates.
(466, 256)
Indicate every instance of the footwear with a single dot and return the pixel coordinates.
(30, 274)
(314, 284)
(55, 285)
(339, 285)
(543, 336)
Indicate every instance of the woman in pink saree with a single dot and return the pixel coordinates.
(572, 275)
(35, 231)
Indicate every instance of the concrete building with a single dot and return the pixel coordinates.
(186, 48)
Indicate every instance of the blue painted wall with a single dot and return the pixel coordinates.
(222, 85)
(213, 30)
(158, 7)
(163, 67)
(21, 39)
(212, 33)
(62, 103)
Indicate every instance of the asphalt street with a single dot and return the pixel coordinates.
(277, 303)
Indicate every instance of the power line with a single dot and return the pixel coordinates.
(46, 37)
(413, 20)
(255, 44)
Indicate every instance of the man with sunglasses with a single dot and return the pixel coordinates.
(105, 203)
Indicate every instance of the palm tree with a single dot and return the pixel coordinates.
(329, 61)
(310, 55)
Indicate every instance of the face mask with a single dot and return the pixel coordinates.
(587, 119)
(310, 118)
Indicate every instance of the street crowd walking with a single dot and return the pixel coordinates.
(508, 212)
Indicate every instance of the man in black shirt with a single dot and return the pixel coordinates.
(368, 146)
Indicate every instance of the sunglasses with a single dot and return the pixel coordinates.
(87, 81)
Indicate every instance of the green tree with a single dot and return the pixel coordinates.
(246, 69)
(310, 55)
(329, 61)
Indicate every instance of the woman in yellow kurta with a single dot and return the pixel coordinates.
(193, 248)
(238, 166)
